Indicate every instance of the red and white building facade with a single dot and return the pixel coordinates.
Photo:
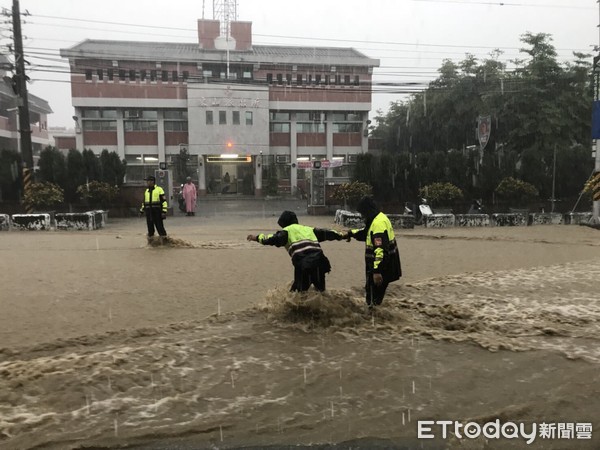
(237, 108)
(9, 118)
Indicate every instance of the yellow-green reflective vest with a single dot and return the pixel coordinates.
(154, 201)
(300, 239)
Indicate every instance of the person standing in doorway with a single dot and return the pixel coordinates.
(189, 195)
(155, 208)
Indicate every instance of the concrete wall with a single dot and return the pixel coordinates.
(577, 218)
(472, 220)
(4, 222)
(545, 219)
(509, 220)
(439, 220)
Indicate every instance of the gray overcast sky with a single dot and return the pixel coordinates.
(410, 37)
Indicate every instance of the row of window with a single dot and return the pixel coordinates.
(318, 79)
(182, 114)
(133, 125)
(133, 75)
(235, 117)
(181, 125)
(316, 116)
(148, 114)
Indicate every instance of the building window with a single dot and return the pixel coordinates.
(249, 119)
(279, 78)
(356, 80)
(279, 116)
(165, 75)
(269, 78)
(88, 74)
(346, 79)
(110, 74)
(299, 80)
(222, 117)
(153, 75)
(186, 75)
(132, 75)
(176, 114)
(338, 79)
(209, 117)
(141, 114)
(207, 73)
(175, 76)
(142, 75)
(140, 125)
(288, 79)
(347, 127)
(317, 79)
(99, 113)
(279, 128)
(100, 74)
(310, 127)
(236, 117)
(99, 125)
(309, 79)
(122, 74)
(327, 80)
(176, 125)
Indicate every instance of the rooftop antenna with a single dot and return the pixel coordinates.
(225, 11)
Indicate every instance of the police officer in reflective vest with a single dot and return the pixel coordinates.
(155, 207)
(302, 243)
(382, 259)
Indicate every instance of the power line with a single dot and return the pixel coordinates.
(500, 3)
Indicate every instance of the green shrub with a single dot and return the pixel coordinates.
(516, 190)
(98, 193)
(441, 194)
(44, 196)
(351, 193)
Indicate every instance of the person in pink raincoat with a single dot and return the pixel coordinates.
(189, 195)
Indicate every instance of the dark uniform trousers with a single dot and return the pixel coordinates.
(154, 219)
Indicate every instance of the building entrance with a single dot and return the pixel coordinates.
(229, 177)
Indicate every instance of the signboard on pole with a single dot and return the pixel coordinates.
(484, 129)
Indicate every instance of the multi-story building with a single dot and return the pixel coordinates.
(9, 118)
(251, 112)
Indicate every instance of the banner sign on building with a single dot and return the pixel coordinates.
(324, 164)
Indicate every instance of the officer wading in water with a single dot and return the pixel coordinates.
(155, 208)
(302, 243)
(382, 259)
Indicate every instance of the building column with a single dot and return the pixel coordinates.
(79, 145)
(365, 136)
(329, 141)
(161, 137)
(120, 134)
(293, 155)
(201, 175)
(258, 161)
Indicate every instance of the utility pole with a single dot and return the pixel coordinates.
(20, 87)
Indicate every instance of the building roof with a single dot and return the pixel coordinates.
(265, 54)
(36, 103)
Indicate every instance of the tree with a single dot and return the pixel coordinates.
(52, 166)
(11, 178)
(112, 169)
(91, 165)
(75, 174)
